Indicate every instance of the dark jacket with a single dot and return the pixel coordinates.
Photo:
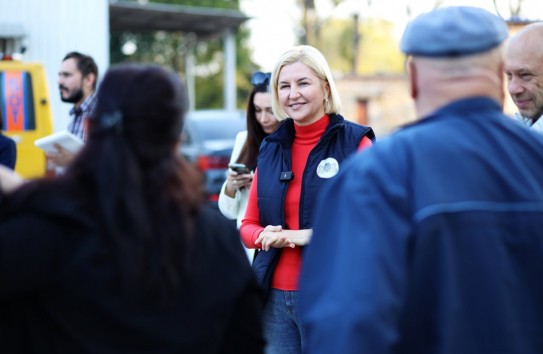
(340, 140)
(60, 290)
(8, 151)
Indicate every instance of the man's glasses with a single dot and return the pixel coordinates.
(260, 79)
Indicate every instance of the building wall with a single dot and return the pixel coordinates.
(389, 104)
(53, 28)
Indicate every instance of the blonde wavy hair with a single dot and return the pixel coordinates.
(314, 60)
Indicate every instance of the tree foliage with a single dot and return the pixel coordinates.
(514, 6)
(378, 51)
(351, 45)
(170, 49)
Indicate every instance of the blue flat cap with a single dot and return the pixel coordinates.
(453, 31)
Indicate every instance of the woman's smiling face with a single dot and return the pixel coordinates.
(301, 93)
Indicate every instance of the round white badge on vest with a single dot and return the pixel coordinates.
(328, 168)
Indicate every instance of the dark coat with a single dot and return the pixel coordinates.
(60, 293)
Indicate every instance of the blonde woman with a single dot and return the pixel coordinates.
(303, 154)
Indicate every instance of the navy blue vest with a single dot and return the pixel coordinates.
(340, 140)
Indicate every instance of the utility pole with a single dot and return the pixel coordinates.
(356, 44)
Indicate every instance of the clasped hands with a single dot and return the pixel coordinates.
(274, 236)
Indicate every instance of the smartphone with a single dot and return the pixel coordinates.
(239, 168)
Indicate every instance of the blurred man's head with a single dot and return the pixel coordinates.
(77, 77)
(455, 52)
(524, 70)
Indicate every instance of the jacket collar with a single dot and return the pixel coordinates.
(284, 134)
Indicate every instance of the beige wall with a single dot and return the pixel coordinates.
(389, 104)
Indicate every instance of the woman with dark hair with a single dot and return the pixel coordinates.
(119, 254)
(260, 123)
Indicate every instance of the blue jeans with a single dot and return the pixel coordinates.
(282, 328)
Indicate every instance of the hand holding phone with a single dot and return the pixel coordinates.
(239, 168)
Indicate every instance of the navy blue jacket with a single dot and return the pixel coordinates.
(340, 140)
(8, 151)
(431, 242)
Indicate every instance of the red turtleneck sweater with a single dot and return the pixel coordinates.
(287, 271)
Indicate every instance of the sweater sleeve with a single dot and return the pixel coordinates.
(250, 226)
(364, 143)
(229, 206)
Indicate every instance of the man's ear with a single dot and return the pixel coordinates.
(412, 73)
(89, 81)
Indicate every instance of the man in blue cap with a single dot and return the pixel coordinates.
(432, 240)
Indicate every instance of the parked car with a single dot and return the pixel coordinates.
(207, 140)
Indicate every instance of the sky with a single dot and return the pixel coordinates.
(274, 23)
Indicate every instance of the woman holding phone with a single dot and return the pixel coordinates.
(260, 123)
